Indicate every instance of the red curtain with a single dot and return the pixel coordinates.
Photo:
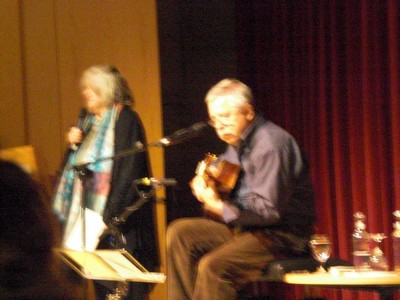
(329, 72)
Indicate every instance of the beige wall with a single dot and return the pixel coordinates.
(46, 44)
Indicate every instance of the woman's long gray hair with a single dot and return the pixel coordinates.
(108, 83)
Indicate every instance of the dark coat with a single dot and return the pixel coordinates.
(139, 229)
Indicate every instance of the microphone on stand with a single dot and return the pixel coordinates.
(156, 182)
(81, 122)
(182, 135)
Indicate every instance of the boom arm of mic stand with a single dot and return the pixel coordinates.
(114, 226)
(144, 197)
(121, 154)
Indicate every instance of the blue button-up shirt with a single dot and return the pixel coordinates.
(274, 188)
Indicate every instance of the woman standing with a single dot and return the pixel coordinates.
(109, 128)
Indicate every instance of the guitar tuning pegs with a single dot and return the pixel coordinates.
(210, 158)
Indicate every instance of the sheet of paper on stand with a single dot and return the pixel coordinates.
(113, 265)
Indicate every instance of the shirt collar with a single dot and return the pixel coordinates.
(247, 134)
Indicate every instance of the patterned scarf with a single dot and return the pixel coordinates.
(98, 143)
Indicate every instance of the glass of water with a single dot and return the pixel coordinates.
(377, 260)
(321, 248)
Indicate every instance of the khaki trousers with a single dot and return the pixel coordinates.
(206, 261)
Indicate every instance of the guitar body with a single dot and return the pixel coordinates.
(222, 173)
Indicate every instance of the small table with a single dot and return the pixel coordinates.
(385, 283)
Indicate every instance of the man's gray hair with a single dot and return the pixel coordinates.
(230, 87)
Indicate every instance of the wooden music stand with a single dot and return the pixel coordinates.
(108, 265)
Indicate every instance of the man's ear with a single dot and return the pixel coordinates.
(249, 109)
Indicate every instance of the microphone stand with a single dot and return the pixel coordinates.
(114, 227)
(118, 240)
(84, 174)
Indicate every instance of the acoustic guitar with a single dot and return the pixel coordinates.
(222, 173)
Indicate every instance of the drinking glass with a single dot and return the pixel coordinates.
(377, 260)
(321, 249)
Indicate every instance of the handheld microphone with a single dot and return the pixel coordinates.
(81, 119)
(156, 181)
(182, 135)
(80, 124)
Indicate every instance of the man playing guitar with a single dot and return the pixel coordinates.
(268, 213)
